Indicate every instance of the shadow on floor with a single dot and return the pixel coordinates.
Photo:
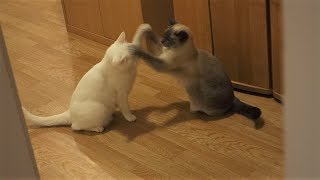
(142, 125)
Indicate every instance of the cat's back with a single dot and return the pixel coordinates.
(93, 81)
(209, 63)
(214, 81)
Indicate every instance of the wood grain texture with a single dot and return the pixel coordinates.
(84, 14)
(120, 15)
(90, 35)
(165, 141)
(196, 15)
(239, 29)
(157, 13)
(276, 42)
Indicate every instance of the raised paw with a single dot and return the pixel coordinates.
(145, 27)
(131, 118)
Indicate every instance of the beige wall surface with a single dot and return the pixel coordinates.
(302, 87)
(16, 156)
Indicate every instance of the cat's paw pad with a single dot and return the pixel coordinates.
(131, 118)
(97, 129)
(145, 27)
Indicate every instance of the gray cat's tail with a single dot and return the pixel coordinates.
(55, 120)
(247, 110)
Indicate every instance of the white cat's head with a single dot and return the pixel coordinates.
(118, 53)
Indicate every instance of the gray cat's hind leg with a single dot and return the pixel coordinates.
(214, 112)
(194, 107)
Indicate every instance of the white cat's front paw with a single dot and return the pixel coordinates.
(131, 118)
(97, 129)
(145, 27)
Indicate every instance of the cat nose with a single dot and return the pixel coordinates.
(163, 41)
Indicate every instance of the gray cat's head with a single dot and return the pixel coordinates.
(176, 35)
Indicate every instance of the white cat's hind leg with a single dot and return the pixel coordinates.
(89, 116)
(97, 129)
(75, 127)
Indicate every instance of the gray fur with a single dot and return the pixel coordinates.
(202, 75)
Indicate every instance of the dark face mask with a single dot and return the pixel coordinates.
(174, 39)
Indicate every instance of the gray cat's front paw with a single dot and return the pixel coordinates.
(135, 51)
(145, 27)
(130, 117)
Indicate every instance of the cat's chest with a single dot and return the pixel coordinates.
(125, 79)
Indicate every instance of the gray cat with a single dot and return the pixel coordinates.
(202, 74)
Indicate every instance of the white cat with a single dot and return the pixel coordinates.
(100, 91)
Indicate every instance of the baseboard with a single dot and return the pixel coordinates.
(251, 88)
(89, 35)
(278, 96)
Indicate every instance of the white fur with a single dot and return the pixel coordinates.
(100, 91)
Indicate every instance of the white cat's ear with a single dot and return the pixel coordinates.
(122, 38)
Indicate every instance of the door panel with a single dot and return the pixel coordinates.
(276, 39)
(196, 15)
(239, 29)
(120, 15)
(83, 14)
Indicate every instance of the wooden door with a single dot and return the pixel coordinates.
(120, 15)
(157, 13)
(83, 15)
(276, 42)
(196, 15)
(239, 29)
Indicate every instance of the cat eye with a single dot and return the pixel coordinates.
(182, 35)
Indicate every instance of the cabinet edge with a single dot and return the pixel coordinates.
(251, 88)
(89, 35)
(278, 96)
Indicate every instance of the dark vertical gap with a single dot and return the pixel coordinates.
(173, 15)
(156, 13)
(101, 19)
(211, 26)
(269, 41)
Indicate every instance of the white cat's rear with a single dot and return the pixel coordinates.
(100, 91)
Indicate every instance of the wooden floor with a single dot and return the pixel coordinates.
(165, 141)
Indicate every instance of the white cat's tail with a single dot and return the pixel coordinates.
(140, 33)
(55, 120)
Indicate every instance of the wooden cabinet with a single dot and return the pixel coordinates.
(120, 15)
(276, 44)
(196, 15)
(83, 17)
(104, 20)
(83, 14)
(239, 29)
(157, 13)
(236, 31)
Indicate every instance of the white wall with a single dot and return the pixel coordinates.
(16, 156)
(302, 87)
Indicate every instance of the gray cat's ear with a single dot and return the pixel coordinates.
(172, 21)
